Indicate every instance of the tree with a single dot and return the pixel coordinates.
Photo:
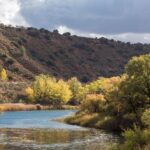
(74, 85)
(137, 85)
(146, 118)
(132, 96)
(3, 75)
(47, 90)
(65, 92)
(93, 103)
(138, 71)
(30, 93)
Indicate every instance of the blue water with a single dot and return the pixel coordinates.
(35, 119)
(38, 130)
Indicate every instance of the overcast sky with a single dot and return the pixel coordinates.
(126, 20)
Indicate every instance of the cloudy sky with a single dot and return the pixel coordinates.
(126, 20)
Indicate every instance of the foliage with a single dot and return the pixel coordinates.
(97, 93)
(82, 92)
(23, 50)
(131, 96)
(138, 81)
(134, 94)
(125, 97)
(47, 90)
(64, 91)
(3, 74)
(146, 118)
(93, 103)
(30, 93)
(116, 103)
(75, 87)
(135, 139)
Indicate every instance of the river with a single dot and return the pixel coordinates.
(38, 130)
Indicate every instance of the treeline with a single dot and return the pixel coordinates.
(117, 103)
(48, 90)
(120, 103)
(125, 97)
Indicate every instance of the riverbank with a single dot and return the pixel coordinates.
(95, 120)
(21, 107)
(84, 120)
(29, 107)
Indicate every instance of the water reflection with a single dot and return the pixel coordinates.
(18, 133)
(44, 139)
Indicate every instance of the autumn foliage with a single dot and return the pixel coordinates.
(48, 90)
(3, 75)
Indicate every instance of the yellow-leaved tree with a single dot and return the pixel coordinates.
(65, 92)
(47, 90)
(30, 93)
(3, 75)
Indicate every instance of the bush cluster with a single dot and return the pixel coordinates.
(48, 90)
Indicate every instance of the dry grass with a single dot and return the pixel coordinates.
(84, 119)
(21, 107)
(28, 107)
(94, 120)
(70, 107)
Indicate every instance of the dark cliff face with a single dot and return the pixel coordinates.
(26, 52)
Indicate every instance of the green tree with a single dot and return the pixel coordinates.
(132, 96)
(137, 85)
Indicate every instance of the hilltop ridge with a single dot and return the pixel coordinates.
(26, 52)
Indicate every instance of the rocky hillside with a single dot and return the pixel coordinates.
(26, 52)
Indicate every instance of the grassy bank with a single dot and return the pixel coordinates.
(93, 120)
(21, 107)
(28, 107)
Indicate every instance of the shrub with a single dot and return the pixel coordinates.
(67, 34)
(136, 139)
(30, 93)
(3, 75)
(93, 103)
(146, 117)
(23, 50)
(10, 61)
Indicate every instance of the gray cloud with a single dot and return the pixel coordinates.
(126, 37)
(99, 16)
(124, 19)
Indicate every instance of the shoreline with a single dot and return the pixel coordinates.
(31, 107)
(94, 121)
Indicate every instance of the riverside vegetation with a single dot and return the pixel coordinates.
(120, 103)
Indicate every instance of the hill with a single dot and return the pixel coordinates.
(26, 52)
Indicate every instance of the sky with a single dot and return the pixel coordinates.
(125, 20)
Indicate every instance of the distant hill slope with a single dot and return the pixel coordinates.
(26, 52)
